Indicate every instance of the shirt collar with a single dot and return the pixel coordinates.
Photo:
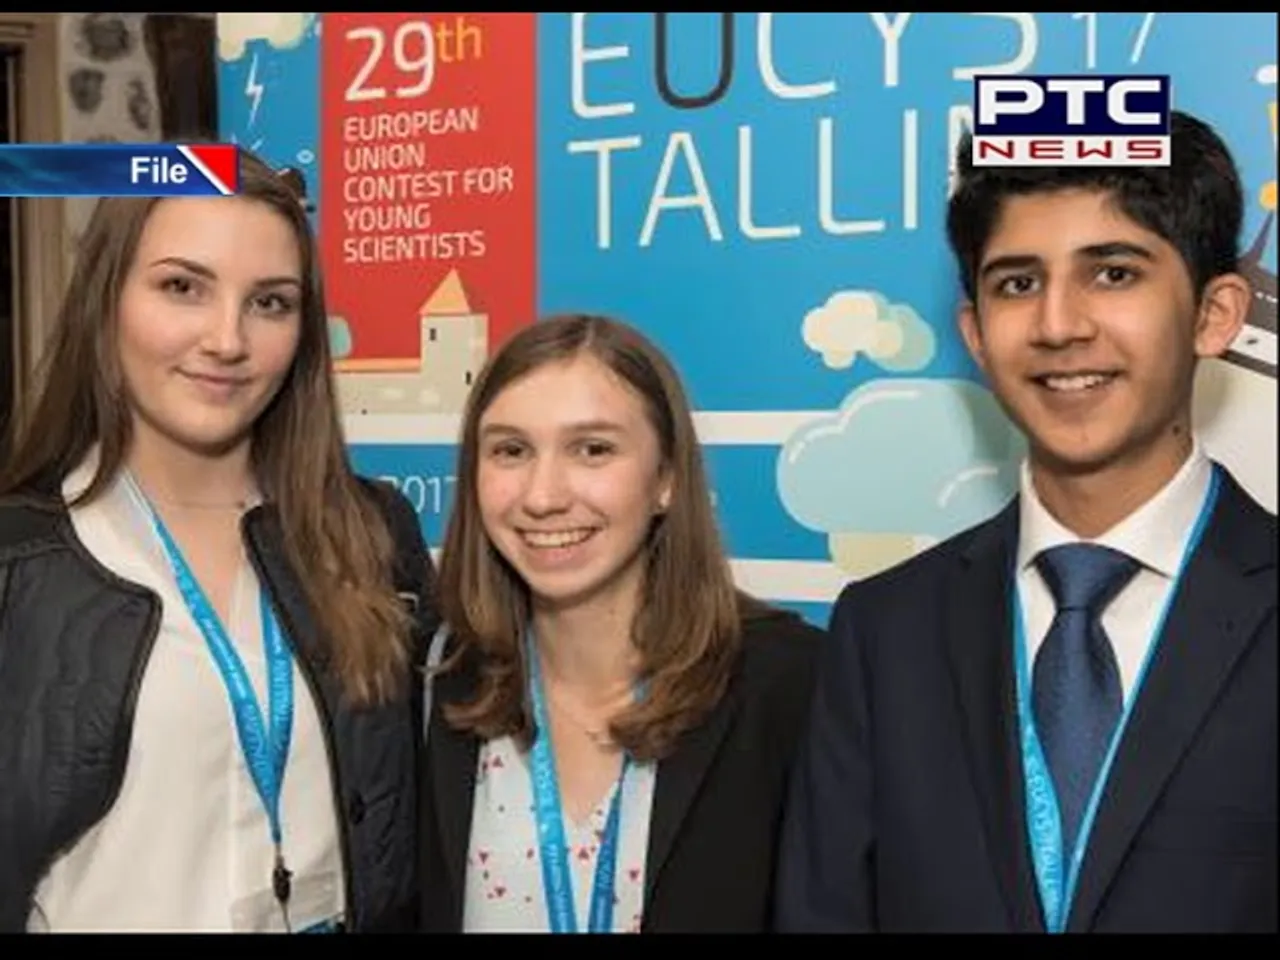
(112, 526)
(1154, 534)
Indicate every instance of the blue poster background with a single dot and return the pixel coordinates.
(268, 94)
(787, 249)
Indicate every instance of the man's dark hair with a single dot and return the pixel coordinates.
(1196, 204)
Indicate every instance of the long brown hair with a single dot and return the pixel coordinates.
(687, 629)
(334, 534)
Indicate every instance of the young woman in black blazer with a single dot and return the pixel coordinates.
(610, 730)
(206, 631)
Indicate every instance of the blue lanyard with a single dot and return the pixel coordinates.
(1056, 877)
(265, 750)
(557, 885)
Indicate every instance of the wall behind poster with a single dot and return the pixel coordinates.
(762, 193)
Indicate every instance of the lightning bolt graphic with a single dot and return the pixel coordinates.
(253, 90)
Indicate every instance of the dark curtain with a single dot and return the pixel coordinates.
(182, 48)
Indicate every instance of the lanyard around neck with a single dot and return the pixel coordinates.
(557, 883)
(1058, 870)
(265, 748)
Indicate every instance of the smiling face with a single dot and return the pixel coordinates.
(570, 478)
(1088, 328)
(209, 320)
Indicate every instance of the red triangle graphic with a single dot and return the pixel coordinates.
(222, 160)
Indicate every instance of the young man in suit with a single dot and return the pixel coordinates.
(1065, 718)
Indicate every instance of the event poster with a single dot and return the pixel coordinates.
(763, 194)
(426, 201)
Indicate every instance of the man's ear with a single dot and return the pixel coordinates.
(971, 332)
(1223, 308)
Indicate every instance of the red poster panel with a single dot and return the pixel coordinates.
(427, 199)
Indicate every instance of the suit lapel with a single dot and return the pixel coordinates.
(453, 757)
(979, 632)
(1227, 588)
(679, 776)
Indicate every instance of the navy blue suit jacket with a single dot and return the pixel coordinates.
(907, 806)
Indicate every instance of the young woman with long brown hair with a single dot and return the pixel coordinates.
(613, 722)
(205, 633)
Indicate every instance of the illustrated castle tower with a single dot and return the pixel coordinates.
(455, 342)
(453, 345)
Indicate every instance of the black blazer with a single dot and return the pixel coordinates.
(717, 804)
(908, 809)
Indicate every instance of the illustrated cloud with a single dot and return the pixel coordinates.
(854, 322)
(916, 457)
(281, 30)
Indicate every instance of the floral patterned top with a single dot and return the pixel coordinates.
(504, 873)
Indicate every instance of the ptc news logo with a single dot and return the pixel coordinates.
(1063, 121)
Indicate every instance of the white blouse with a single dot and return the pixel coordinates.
(186, 845)
(504, 873)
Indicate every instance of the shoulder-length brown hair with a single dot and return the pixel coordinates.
(687, 629)
(334, 534)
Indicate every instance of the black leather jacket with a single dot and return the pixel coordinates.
(74, 644)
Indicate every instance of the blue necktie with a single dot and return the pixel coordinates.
(1075, 687)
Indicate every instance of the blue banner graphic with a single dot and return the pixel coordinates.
(118, 170)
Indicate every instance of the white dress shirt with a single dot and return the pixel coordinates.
(1156, 535)
(186, 845)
